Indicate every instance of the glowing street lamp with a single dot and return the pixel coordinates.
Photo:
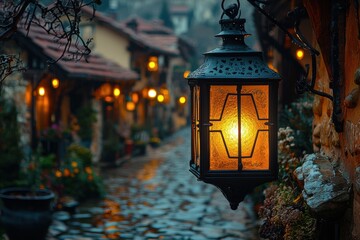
(182, 100)
(234, 115)
(152, 93)
(153, 64)
(160, 98)
(41, 91)
(135, 97)
(130, 106)
(299, 54)
(116, 91)
(55, 83)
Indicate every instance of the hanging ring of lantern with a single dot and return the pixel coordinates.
(232, 10)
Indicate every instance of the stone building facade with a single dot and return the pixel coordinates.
(342, 147)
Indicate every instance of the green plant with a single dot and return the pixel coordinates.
(10, 151)
(76, 172)
(86, 116)
(83, 153)
(299, 116)
(36, 170)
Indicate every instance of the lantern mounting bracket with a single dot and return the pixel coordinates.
(303, 85)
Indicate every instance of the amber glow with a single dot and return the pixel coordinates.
(224, 132)
(182, 100)
(130, 106)
(152, 93)
(135, 97)
(105, 90)
(108, 99)
(186, 73)
(41, 91)
(166, 94)
(160, 98)
(299, 54)
(231, 133)
(116, 92)
(55, 83)
(58, 173)
(272, 67)
(152, 64)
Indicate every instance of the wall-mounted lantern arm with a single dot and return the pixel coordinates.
(295, 40)
(303, 84)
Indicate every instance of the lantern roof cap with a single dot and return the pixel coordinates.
(234, 59)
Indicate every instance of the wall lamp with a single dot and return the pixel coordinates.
(234, 114)
(234, 97)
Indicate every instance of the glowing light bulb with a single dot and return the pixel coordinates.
(130, 106)
(182, 100)
(160, 98)
(55, 83)
(152, 64)
(41, 91)
(299, 54)
(116, 92)
(152, 93)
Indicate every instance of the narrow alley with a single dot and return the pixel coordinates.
(156, 197)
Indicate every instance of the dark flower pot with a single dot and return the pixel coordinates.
(26, 214)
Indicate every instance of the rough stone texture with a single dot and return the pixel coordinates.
(352, 138)
(326, 191)
(345, 147)
(357, 180)
(351, 100)
(154, 197)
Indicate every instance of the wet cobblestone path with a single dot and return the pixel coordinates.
(156, 197)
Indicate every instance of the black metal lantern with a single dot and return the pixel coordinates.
(234, 115)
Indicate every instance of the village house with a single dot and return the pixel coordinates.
(160, 58)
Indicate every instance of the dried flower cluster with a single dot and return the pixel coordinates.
(288, 161)
(284, 213)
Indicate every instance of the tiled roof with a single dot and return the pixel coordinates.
(94, 67)
(148, 34)
(155, 26)
(180, 9)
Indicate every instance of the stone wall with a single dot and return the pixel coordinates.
(342, 148)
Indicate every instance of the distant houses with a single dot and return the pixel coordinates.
(103, 100)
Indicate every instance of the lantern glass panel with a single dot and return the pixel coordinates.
(224, 131)
(195, 128)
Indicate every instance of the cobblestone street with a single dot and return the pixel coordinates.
(156, 197)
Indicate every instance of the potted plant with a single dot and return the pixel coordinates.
(25, 212)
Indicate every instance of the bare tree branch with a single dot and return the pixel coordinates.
(8, 65)
(60, 19)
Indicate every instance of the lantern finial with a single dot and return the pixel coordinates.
(232, 10)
